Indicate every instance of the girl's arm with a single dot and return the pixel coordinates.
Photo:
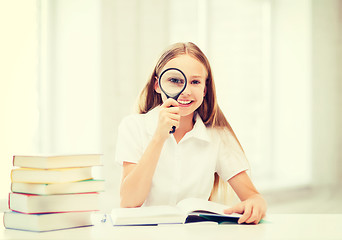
(137, 177)
(253, 206)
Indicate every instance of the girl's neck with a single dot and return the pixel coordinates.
(186, 124)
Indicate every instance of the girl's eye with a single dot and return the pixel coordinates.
(195, 82)
(176, 80)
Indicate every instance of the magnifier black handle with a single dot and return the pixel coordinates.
(173, 130)
(173, 127)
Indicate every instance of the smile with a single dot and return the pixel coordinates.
(184, 102)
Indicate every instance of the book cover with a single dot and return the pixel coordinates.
(28, 203)
(62, 175)
(91, 185)
(57, 161)
(47, 221)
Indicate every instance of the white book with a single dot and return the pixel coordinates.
(57, 161)
(27, 203)
(46, 222)
(186, 211)
(91, 185)
(62, 175)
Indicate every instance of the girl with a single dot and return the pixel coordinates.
(161, 168)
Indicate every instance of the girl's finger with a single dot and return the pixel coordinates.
(247, 213)
(258, 220)
(173, 116)
(238, 208)
(170, 102)
(261, 215)
(174, 123)
(254, 216)
(173, 110)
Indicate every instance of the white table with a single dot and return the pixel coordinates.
(282, 226)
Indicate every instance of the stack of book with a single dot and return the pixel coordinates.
(53, 192)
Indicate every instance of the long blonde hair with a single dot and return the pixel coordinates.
(209, 110)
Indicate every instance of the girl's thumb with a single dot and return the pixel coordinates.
(236, 209)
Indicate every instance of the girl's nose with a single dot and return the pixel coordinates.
(187, 90)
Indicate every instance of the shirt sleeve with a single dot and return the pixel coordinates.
(231, 158)
(129, 146)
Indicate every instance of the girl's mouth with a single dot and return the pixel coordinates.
(184, 102)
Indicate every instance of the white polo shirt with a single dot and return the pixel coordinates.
(185, 169)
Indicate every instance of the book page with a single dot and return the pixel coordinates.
(195, 204)
(150, 211)
(147, 215)
(169, 214)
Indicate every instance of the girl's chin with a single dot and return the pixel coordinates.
(185, 112)
(188, 110)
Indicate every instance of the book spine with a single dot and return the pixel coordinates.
(11, 175)
(44, 199)
(9, 200)
(54, 212)
(3, 220)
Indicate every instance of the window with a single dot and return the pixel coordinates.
(262, 69)
(19, 84)
(240, 51)
(69, 67)
(251, 46)
(236, 37)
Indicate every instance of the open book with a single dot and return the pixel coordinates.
(186, 211)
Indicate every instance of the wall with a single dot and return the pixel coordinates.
(70, 78)
(132, 36)
(327, 92)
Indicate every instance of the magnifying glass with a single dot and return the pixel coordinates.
(172, 82)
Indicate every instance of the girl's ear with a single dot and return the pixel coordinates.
(156, 85)
(205, 91)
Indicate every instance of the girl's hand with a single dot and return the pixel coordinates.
(253, 209)
(168, 117)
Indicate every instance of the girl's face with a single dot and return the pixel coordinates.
(192, 96)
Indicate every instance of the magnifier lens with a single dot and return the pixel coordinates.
(172, 82)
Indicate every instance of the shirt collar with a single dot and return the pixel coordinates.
(199, 131)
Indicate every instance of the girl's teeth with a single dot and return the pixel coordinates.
(184, 102)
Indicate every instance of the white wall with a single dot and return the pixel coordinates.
(133, 35)
(327, 92)
(95, 57)
(19, 111)
(70, 81)
(291, 92)
(239, 49)
(283, 63)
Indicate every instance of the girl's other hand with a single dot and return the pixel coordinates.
(168, 117)
(253, 209)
